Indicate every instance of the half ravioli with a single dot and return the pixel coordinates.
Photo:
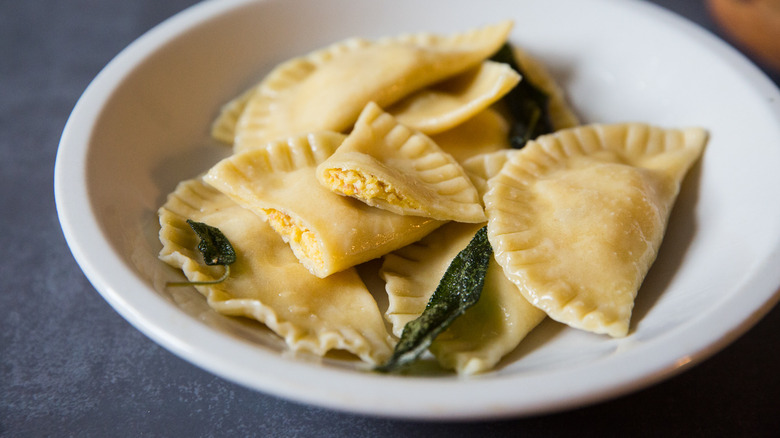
(267, 283)
(327, 89)
(327, 232)
(444, 105)
(387, 165)
(479, 338)
(576, 217)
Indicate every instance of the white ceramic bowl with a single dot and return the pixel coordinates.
(143, 125)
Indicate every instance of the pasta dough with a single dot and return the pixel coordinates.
(484, 133)
(482, 167)
(267, 283)
(576, 217)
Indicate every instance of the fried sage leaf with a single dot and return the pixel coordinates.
(214, 246)
(216, 250)
(526, 104)
(460, 288)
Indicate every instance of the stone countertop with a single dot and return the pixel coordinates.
(71, 366)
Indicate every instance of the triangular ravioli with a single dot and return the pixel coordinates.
(390, 166)
(479, 338)
(327, 89)
(267, 283)
(327, 232)
(576, 217)
(449, 103)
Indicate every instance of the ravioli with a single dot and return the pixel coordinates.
(327, 89)
(478, 339)
(449, 103)
(387, 165)
(560, 112)
(267, 283)
(576, 217)
(328, 233)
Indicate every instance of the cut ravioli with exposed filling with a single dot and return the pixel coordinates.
(576, 218)
(327, 232)
(387, 165)
(327, 89)
(267, 283)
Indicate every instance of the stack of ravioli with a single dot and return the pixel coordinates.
(396, 149)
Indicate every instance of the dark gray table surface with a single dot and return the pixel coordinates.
(71, 366)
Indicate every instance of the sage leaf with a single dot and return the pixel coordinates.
(526, 104)
(214, 246)
(460, 288)
(216, 250)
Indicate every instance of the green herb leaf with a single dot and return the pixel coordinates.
(215, 247)
(216, 250)
(459, 289)
(527, 104)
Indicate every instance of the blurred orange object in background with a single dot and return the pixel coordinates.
(753, 25)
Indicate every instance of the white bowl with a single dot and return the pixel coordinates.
(143, 125)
